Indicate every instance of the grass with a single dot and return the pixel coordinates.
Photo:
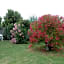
(20, 54)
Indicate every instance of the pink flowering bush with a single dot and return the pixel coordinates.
(47, 32)
(18, 34)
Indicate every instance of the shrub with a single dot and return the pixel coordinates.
(26, 24)
(19, 34)
(6, 32)
(47, 32)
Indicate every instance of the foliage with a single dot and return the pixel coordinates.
(0, 22)
(6, 32)
(12, 17)
(47, 32)
(26, 24)
(19, 33)
(3, 24)
(33, 18)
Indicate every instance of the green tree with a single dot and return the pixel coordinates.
(33, 18)
(12, 17)
(0, 22)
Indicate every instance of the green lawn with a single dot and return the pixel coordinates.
(20, 54)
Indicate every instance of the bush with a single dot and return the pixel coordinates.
(26, 24)
(6, 32)
(19, 34)
(47, 32)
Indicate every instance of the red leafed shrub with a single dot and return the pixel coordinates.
(47, 32)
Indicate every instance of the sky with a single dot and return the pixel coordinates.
(29, 8)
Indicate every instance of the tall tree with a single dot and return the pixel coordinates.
(12, 17)
(0, 21)
(33, 18)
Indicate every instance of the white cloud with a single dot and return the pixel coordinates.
(33, 7)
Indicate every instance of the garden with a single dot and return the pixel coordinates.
(32, 41)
